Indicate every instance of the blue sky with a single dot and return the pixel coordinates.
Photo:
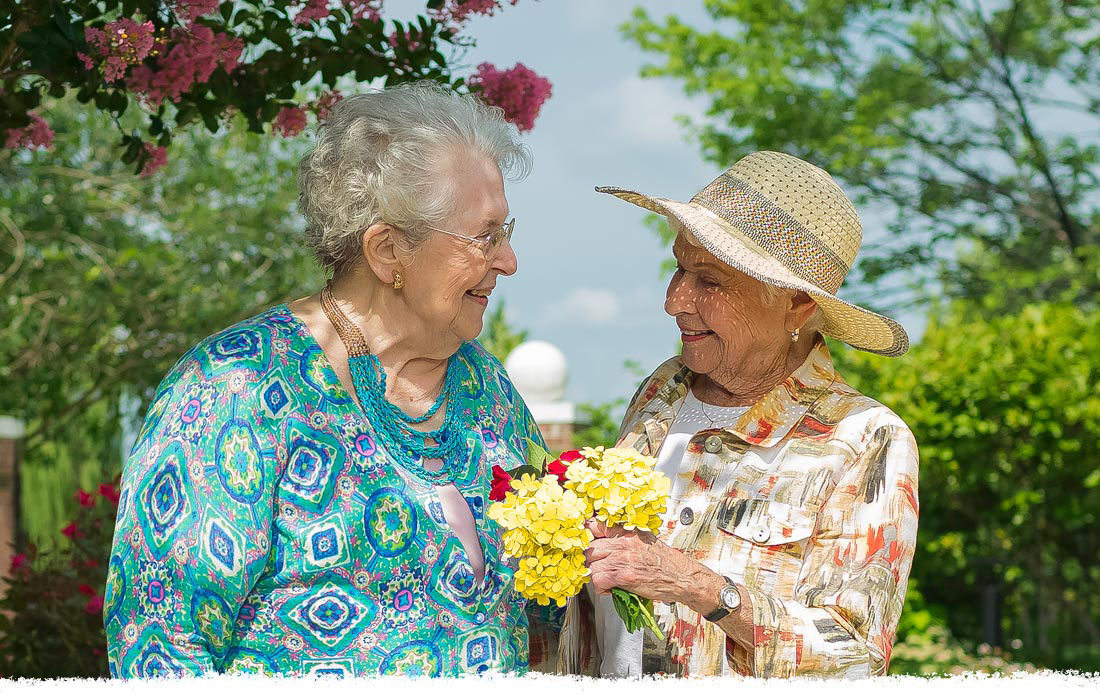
(589, 278)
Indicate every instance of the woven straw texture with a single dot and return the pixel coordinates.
(785, 222)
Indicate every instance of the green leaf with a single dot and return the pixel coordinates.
(537, 456)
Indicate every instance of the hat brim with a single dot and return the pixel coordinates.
(854, 325)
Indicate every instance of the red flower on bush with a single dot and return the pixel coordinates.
(20, 563)
(72, 531)
(501, 486)
(109, 491)
(95, 599)
(86, 499)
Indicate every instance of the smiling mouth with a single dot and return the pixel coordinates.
(693, 336)
(479, 296)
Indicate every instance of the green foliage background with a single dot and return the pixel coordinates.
(110, 278)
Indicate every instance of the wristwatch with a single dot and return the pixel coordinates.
(729, 600)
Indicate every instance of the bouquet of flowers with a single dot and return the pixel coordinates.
(545, 505)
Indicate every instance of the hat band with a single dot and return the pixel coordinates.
(774, 230)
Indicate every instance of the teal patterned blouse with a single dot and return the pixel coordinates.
(263, 528)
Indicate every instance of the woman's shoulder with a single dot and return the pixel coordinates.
(857, 414)
(671, 372)
(247, 347)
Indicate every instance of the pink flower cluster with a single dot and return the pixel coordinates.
(36, 134)
(190, 10)
(520, 92)
(458, 11)
(155, 159)
(290, 121)
(323, 106)
(120, 44)
(364, 9)
(313, 11)
(194, 56)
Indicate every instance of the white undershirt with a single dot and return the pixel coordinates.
(622, 651)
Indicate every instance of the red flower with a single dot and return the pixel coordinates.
(19, 563)
(94, 605)
(72, 531)
(502, 484)
(86, 499)
(556, 467)
(570, 456)
(87, 590)
(110, 492)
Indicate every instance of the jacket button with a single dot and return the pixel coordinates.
(761, 534)
(713, 444)
(687, 516)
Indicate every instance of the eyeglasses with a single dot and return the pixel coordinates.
(490, 242)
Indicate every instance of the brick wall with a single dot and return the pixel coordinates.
(11, 439)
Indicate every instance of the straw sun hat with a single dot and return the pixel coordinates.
(786, 223)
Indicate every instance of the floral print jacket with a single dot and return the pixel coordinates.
(809, 501)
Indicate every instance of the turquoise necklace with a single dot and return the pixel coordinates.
(393, 425)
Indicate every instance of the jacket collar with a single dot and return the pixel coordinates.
(764, 424)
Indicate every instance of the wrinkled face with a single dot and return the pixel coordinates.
(448, 280)
(730, 331)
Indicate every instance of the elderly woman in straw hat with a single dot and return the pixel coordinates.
(793, 514)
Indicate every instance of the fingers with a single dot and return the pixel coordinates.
(599, 549)
(598, 529)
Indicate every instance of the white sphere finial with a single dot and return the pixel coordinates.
(539, 371)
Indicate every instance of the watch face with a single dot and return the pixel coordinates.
(730, 598)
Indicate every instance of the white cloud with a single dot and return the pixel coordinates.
(646, 109)
(586, 305)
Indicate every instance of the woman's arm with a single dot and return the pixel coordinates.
(194, 532)
(850, 591)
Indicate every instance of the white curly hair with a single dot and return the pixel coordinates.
(377, 159)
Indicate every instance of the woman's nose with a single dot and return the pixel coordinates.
(678, 299)
(505, 262)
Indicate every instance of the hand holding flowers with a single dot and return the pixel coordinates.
(557, 508)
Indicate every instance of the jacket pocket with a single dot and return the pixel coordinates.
(765, 522)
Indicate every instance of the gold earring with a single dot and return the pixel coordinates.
(398, 281)
(794, 336)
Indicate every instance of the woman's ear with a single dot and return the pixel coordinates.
(800, 308)
(381, 251)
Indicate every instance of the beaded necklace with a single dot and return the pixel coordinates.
(393, 425)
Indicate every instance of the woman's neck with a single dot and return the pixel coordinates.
(729, 388)
(413, 357)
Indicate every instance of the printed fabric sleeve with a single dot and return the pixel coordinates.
(194, 521)
(852, 585)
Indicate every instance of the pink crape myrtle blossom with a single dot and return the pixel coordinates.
(520, 92)
(313, 11)
(290, 121)
(36, 134)
(455, 12)
(193, 57)
(370, 10)
(157, 157)
(120, 44)
(190, 10)
(323, 106)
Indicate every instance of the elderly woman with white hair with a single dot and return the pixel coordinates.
(792, 519)
(308, 492)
